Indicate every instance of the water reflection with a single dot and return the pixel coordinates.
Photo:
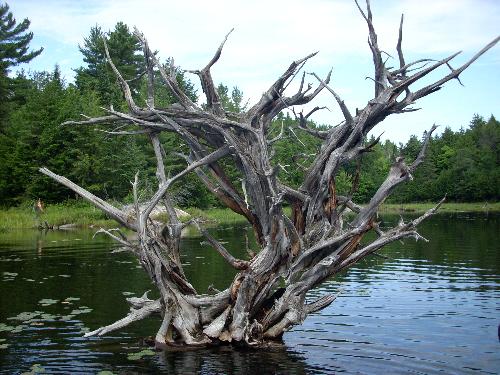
(427, 308)
(233, 361)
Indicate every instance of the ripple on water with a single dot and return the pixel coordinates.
(430, 308)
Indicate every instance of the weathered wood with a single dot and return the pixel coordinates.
(133, 316)
(268, 295)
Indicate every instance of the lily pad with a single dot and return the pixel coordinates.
(18, 328)
(105, 372)
(127, 293)
(35, 369)
(67, 317)
(24, 316)
(6, 328)
(139, 355)
(46, 316)
(47, 301)
(80, 311)
(69, 299)
(10, 274)
(4, 346)
(64, 275)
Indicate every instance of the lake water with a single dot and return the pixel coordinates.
(428, 308)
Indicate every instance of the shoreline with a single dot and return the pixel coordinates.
(85, 216)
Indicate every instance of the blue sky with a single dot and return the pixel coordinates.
(270, 34)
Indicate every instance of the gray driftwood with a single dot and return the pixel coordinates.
(268, 295)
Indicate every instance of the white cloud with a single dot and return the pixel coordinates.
(270, 34)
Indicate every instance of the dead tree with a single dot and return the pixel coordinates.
(268, 294)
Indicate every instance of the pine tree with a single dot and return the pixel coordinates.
(14, 50)
(14, 41)
(97, 75)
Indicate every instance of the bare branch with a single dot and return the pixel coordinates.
(292, 194)
(421, 155)
(218, 52)
(398, 47)
(278, 137)
(276, 90)
(150, 101)
(321, 303)
(216, 155)
(422, 73)
(398, 173)
(120, 239)
(207, 83)
(123, 84)
(302, 123)
(395, 234)
(454, 74)
(376, 53)
(133, 316)
(236, 263)
(295, 254)
(343, 107)
(124, 132)
(94, 121)
(406, 68)
(169, 79)
(112, 211)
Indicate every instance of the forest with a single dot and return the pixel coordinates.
(463, 165)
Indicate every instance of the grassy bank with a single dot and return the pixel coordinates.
(446, 207)
(83, 215)
(55, 215)
(223, 216)
(227, 217)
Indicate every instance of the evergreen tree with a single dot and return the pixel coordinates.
(14, 50)
(14, 41)
(233, 102)
(97, 76)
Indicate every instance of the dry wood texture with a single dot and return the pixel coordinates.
(268, 295)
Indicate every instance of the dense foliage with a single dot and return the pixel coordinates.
(464, 165)
(14, 50)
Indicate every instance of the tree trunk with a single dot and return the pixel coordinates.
(269, 294)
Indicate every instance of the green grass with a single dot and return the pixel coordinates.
(82, 215)
(446, 207)
(222, 216)
(85, 215)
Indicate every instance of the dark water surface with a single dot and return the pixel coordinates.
(430, 308)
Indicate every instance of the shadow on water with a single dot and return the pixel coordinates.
(232, 361)
(426, 308)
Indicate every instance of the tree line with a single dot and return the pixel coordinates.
(462, 164)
